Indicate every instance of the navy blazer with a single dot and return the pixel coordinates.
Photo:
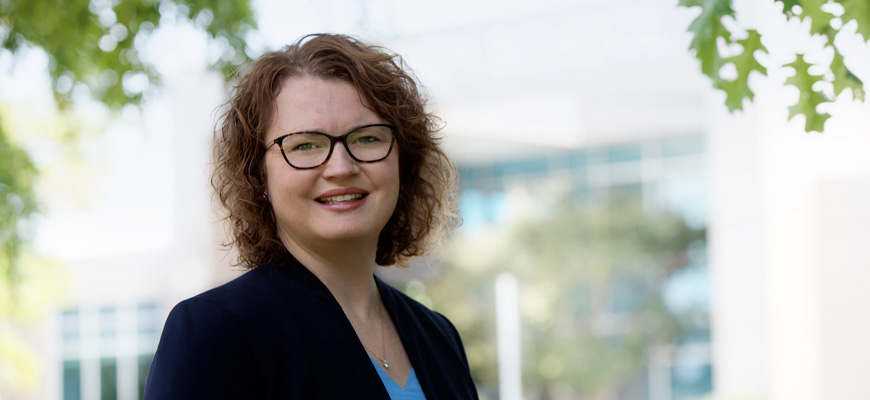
(276, 332)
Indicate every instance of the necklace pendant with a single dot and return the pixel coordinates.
(385, 363)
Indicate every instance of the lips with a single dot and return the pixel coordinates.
(340, 199)
(341, 195)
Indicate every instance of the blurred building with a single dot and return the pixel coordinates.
(660, 173)
(101, 343)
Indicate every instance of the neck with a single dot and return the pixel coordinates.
(347, 271)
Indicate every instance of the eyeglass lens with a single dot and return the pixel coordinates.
(305, 150)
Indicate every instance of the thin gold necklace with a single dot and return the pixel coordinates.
(383, 343)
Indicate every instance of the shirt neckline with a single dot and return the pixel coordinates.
(385, 377)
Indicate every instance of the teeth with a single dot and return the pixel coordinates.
(339, 199)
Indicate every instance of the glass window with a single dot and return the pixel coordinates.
(144, 365)
(472, 208)
(691, 381)
(624, 153)
(72, 380)
(479, 210)
(108, 379)
(108, 323)
(470, 177)
(147, 317)
(70, 324)
(124, 331)
(577, 160)
(683, 146)
(532, 166)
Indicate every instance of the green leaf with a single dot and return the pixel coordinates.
(859, 11)
(787, 6)
(745, 63)
(844, 78)
(707, 29)
(809, 99)
(830, 34)
(819, 20)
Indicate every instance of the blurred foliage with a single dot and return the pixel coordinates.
(711, 36)
(98, 43)
(23, 299)
(590, 295)
(17, 204)
(96, 46)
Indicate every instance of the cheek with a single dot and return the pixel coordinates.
(271, 177)
(282, 180)
(270, 169)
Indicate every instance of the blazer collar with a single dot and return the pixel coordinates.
(408, 327)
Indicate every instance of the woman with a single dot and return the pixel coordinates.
(328, 167)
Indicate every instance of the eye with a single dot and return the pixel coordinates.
(308, 146)
(370, 136)
(305, 142)
(367, 139)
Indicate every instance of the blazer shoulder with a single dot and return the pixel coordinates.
(242, 287)
(220, 344)
(246, 296)
(199, 336)
(223, 313)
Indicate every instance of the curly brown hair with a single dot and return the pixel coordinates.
(426, 208)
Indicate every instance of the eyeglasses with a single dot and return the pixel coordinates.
(307, 150)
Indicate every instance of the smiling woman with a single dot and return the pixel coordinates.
(312, 214)
(328, 166)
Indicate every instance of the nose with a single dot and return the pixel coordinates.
(340, 163)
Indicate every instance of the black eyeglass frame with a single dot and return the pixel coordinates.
(332, 140)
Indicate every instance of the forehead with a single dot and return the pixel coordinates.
(326, 105)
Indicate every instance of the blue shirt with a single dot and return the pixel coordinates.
(411, 391)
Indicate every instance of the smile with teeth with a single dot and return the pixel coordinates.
(340, 199)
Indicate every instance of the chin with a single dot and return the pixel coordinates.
(350, 233)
